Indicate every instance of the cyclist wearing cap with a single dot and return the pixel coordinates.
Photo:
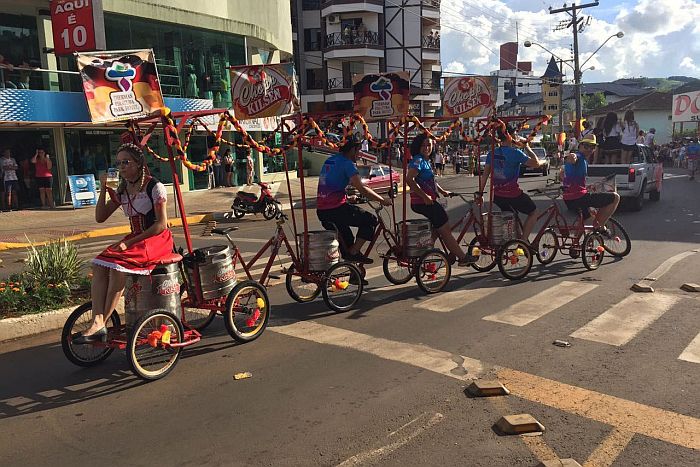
(332, 206)
(505, 163)
(576, 195)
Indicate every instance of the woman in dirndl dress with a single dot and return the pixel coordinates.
(143, 199)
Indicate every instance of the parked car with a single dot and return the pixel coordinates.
(482, 163)
(313, 140)
(541, 154)
(376, 177)
(633, 181)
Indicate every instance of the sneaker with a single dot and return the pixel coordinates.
(605, 232)
(358, 258)
(353, 281)
(468, 260)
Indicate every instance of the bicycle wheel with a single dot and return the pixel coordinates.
(487, 256)
(593, 250)
(247, 311)
(397, 271)
(619, 243)
(195, 318)
(433, 271)
(238, 213)
(300, 289)
(547, 246)
(88, 354)
(342, 286)
(514, 260)
(148, 351)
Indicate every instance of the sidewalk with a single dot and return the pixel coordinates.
(17, 227)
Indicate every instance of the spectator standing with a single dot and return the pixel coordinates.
(228, 167)
(630, 130)
(439, 163)
(649, 138)
(640, 137)
(8, 167)
(44, 177)
(218, 170)
(249, 167)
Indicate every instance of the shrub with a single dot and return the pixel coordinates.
(55, 263)
(18, 297)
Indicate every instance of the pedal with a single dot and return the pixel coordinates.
(208, 228)
(275, 276)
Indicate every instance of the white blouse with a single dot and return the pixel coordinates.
(629, 133)
(141, 203)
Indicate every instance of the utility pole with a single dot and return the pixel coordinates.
(572, 11)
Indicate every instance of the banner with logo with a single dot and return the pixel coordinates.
(83, 191)
(381, 95)
(120, 85)
(264, 90)
(686, 107)
(469, 96)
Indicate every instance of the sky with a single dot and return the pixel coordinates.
(661, 37)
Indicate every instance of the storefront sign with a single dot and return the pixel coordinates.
(469, 96)
(381, 95)
(78, 26)
(264, 90)
(686, 107)
(121, 85)
(82, 190)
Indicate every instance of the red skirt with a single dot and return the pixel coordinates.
(141, 257)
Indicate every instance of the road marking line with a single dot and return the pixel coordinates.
(692, 352)
(535, 307)
(625, 415)
(417, 355)
(375, 454)
(610, 449)
(450, 301)
(627, 318)
(666, 266)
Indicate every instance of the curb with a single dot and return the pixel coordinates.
(31, 325)
(106, 232)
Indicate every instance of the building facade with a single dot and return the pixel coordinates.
(334, 40)
(513, 77)
(41, 99)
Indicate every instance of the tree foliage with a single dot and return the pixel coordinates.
(593, 101)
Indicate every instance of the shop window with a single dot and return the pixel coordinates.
(314, 78)
(312, 39)
(19, 46)
(310, 5)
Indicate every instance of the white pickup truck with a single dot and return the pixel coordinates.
(644, 175)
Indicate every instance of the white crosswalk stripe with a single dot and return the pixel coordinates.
(692, 352)
(627, 318)
(450, 301)
(537, 306)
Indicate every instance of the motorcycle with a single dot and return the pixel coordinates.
(250, 203)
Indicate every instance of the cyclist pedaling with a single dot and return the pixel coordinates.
(333, 209)
(576, 196)
(505, 163)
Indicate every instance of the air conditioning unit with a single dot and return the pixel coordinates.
(333, 19)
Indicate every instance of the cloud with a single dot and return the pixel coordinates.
(455, 67)
(473, 32)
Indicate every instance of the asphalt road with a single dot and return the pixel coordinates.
(385, 384)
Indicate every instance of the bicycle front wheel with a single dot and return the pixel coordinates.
(397, 271)
(433, 271)
(342, 287)
(593, 250)
(487, 256)
(619, 243)
(547, 246)
(247, 311)
(299, 288)
(514, 260)
(148, 350)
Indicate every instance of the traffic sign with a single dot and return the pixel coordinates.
(78, 26)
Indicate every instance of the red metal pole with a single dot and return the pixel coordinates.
(303, 199)
(404, 161)
(178, 192)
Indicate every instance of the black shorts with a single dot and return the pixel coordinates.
(628, 147)
(44, 182)
(590, 200)
(439, 165)
(11, 186)
(521, 203)
(435, 213)
(611, 143)
(345, 216)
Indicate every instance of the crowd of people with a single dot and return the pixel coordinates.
(26, 179)
(16, 76)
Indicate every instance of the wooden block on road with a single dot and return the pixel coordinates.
(559, 463)
(482, 388)
(518, 424)
(688, 287)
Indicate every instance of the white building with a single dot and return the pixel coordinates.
(337, 39)
(512, 83)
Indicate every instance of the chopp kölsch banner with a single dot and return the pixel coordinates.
(381, 95)
(469, 96)
(264, 90)
(120, 85)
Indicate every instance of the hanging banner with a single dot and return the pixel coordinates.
(469, 96)
(83, 191)
(77, 25)
(264, 90)
(120, 85)
(381, 95)
(686, 107)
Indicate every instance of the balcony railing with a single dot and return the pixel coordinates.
(325, 3)
(431, 3)
(431, 84)
(352, 39)
(336, 84)
(431, 42)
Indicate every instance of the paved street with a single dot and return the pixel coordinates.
(384, 384)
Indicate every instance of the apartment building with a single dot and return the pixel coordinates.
(335, 40)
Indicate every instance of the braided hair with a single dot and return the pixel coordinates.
(136, 153)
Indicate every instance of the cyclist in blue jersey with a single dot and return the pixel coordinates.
(332, 206)
(505, 163)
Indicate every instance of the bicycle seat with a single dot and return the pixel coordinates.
(224, 231)
(171, 258)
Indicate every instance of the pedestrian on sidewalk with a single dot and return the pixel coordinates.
(218, 171)
(143, 199)
(44, 177)
(250, 172)
(8, 168)
(228, 168)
